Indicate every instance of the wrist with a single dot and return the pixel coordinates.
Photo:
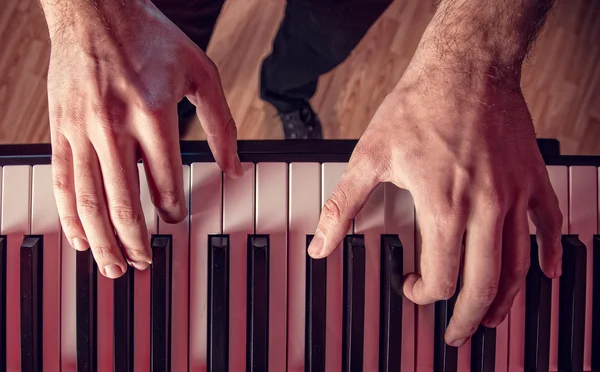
(85, 17)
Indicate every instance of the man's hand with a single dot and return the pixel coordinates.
(117, 70)
(457, 134)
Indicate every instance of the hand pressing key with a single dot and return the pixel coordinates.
(117, 70)
(456, 133)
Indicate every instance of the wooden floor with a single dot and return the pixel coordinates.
(561, 80)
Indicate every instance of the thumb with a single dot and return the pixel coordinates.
(206, 93)
(346, 200)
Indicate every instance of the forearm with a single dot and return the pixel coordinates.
(490, 33)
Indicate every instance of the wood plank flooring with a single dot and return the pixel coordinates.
(561, 80)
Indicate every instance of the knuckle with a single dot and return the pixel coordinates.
(125, 214)
(483, 295)
(442, 291)
(102, 252)
(137, 253)
(88, 205)
(169, 199)
(70, 224)
(62, 185)
(334, 207)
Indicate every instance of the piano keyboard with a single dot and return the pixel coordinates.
(231, 287)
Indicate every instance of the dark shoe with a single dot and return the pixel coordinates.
(185, 112)
(301, 124)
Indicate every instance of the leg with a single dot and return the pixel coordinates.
(314, 37)
(197, 19)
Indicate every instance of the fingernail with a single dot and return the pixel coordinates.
(316, 245)
(113, 271)
(80, 244)
(558, 269)
(459, 342)
(141, 266)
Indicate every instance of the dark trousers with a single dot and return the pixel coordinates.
(314, 37)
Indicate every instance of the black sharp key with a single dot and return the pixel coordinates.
(571, 312)
(258, 303)
(316, 308)
(86, 275)
(595, 306)
(538, 301)
(218, 303)
(2, 303)
(445, 357)
(123, 322)
(31, 303)
(483, 350)
(160, 303)
(390, 333)
(354, 303)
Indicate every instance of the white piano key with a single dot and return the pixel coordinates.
(45, 221)
(560, 184)
(330, 176)
(141, 284)
(400, 219)
(370, 222)
(206, 218)
(179, 282)
(271, 219)
(502, 346)
(105, 322)
(425, 333)
(15, 222)
(238, 222)
(68, 307)
(583, 210)
(305, 205)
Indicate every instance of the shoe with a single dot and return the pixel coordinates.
(301, 124)
(185, 111)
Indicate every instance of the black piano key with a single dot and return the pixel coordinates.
(354, 303)
(538, 301)
(571, 313)
(86, 297)
(595, 307)
(445, 357)
(316, 299)
(390, 332)
(218, 303)
(31, 303)
(258, 303)
(483, 350)
(123, 322)
(2, 303)
(160, 303)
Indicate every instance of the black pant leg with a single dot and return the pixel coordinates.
(314, 37)
(196, 18)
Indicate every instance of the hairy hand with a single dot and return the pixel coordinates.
(460, 139)
(116, 74)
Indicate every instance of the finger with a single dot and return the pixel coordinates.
(515, 263)
(440, 258)
(117, 158)
(64, 192)
(158, 138)
(481, 275)
(546, 216)
(346, 200)
(92, 210)
(206, 93)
